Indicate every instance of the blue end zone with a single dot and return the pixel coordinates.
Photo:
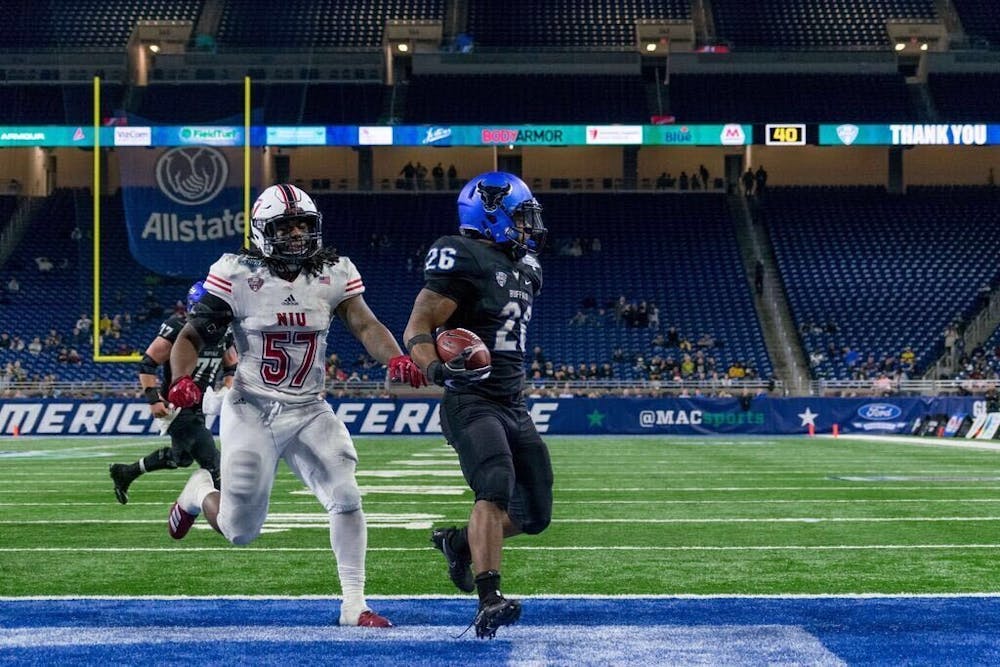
(924, 630)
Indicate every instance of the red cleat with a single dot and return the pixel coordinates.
(369, 619)
(179, 522)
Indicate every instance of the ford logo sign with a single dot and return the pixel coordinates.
(879, 411)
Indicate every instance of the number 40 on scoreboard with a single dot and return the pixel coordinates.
(785, 134)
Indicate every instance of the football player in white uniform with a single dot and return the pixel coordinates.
(280, 297)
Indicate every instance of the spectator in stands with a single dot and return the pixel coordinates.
(438, 174)
(579, 319)
(17, 344)
(35, 346)
(44, 264)
(409, 174)
(748, 182)
(13, 187)
(83, 324)
(104, 326)
(882, 386)
(703, 172)
(421, 173)
(13, 286)
(950, 337)
(53, 339)
(452, 177)
(907, 359)
(595, 245)
(760, 181)
(5, 341)
(661, 181)
(653, 315)
(683, 182)
(63, 356)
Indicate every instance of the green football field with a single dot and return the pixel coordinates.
(632, 515)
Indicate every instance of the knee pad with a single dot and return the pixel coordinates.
(535, 525)
(495, 481)
(245, 471)
(346, 498)
(166, 456)
(182, 460)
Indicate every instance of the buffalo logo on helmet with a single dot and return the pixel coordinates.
(493, 195)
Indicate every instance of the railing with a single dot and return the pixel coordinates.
(723, 387)
(902, 388)
(550, 389)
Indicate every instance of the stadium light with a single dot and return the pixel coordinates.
(155, 48)
(403, 47)
(650, 47)
(900, 46)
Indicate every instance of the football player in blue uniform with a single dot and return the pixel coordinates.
(190, 439)
(485, 279)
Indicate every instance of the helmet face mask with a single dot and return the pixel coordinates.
(286, 225)
(499, 207)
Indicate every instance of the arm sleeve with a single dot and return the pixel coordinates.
(210, 317)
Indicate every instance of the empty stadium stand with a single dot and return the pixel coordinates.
(876, 272)
(813, 98)
(542, 98)
(318, 23)
(966, 97)
(805, 25)
(85, 24)
(563, 23)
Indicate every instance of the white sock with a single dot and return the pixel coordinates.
(198, 486)
(349, 539)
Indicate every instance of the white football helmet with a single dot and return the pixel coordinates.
(272, 213)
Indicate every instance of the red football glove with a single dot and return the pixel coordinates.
(402, 369)
(184, 392)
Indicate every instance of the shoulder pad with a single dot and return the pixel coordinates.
(452, 256)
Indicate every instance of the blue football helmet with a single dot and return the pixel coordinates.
(194, 295)
(499, 207)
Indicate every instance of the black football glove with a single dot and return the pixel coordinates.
(454, 373)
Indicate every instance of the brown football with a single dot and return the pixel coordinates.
(450, 344)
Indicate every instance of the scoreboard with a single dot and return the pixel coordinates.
(785, 134)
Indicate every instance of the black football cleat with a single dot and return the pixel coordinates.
(459, 567)
(121, 480)
(491, 617)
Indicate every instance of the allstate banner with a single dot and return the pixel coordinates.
(183, 205)
(573, 416)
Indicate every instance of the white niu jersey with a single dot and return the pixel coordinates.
(280, 327)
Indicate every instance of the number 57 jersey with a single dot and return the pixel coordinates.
(494, 294)
(279, 326)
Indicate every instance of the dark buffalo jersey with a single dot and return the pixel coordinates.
(494, 293)
(209, 358)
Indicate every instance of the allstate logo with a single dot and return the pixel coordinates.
(879, 411)
(192, 175)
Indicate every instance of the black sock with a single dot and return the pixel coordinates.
(132, 470)
(488, 586)
(459, 542)
(155, 461)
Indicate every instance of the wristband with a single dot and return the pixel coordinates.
(152, 395)
(435, 372)
(418, 339)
